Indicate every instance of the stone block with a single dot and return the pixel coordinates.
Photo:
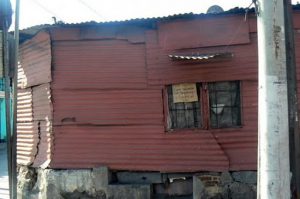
(139, 177)
(101, 178)
(129, 191)
(59, 184)
(176, 188)
(248, 177)
(198, 188)
(225, 178)
(241, 191)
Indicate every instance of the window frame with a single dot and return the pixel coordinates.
(204, 105)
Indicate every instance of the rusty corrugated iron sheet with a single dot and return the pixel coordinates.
(205, 32)
(119, 144)
(104, 64)
(145, 21)
(24, 105)
(42, 105)
(27, 141)
(43, 156)
(35, 61)
(146, 147)
(34, 108)
(108, 107)
(161, 71)
(241, 144)
(118, 121)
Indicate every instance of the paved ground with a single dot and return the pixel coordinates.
(4, 194)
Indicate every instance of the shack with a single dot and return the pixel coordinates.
(163, 104)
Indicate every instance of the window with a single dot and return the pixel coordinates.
(204, 105)
(183, 114)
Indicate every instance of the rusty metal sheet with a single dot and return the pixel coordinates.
(42, 105)
(35, 61)
(101, 64)
(148, 147)
(27, 141)
(145, 147)
(162, 71)
(195, 33)
(108, 107)
(132, 33)
(43, 156)
(241, 144)
(24, 105)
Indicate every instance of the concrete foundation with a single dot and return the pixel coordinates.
(100, 183)
(234, 185)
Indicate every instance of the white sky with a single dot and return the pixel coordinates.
(35, 12)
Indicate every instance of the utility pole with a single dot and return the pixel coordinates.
(273, 128)
(292, 100)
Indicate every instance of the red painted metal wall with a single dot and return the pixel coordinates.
(136, 147)
(34, 109)
(105, 102)
(108, 98)
(98, 64)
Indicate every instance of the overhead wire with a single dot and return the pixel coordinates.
(53, 14)
(91, 9)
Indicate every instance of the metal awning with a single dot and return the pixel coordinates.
(199, 57)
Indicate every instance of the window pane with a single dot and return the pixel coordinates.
(183, 115)
(224, 100)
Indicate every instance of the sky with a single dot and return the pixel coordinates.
(36, 12)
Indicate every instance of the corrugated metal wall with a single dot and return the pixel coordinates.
(144, 147)
(27, 141)
(109, 106)
(108, 98)
(35, 59)
(34, 109)
(205, 32)
(102, 64)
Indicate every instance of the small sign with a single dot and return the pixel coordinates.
(186, 92)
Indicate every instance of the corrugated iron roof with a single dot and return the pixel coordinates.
(200, 56)
(29, 32)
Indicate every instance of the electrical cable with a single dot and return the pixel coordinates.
(92, 9)
(46, 9)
